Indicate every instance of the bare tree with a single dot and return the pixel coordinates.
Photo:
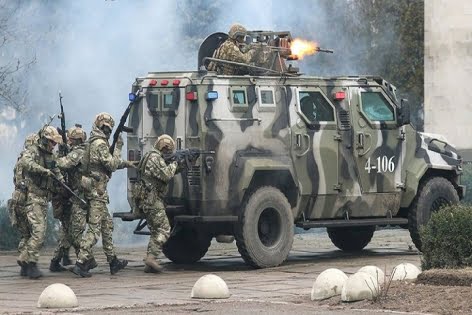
(12, 68)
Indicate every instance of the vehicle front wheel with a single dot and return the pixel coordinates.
(264, 236)
(433, 194)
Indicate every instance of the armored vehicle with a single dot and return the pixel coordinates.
(289, 150)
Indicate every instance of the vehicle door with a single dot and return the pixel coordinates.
(377, 146)
(315, 149)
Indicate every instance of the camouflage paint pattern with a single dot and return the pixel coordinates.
(158, 226)
(72, 223)
(99, 164)
(35, 163)
(17, 202)
(78, 223)
(261, 133)
(64, 216)
(154, 174)
(100, 223)
(230, 51)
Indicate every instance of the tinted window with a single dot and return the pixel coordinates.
(267, 97)
(315, 107)
(153, 102)
(167, 98)
(239, 97)
(376, 107)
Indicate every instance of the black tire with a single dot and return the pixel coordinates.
(264, 235)
(433, 193)
(351, 239)
(186, 246)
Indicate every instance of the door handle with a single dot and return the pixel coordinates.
(298, 140)
(179, 143)
(361, 141)
(308, 146)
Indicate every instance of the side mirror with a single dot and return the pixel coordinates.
(403, 117)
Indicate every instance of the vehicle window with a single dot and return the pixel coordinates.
(167, 100)
(239, 97)
(376, 107)
(153, 102)
(267, 97)
(315, 107)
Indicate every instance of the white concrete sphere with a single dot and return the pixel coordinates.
(375, 272)
(57, 295)
(210, 287)
(405, 271)
(360, 286)
(328, 283)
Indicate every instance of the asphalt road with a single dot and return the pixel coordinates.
(280, 290)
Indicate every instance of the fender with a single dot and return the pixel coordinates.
(279, 174)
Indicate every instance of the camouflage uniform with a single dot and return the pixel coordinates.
(230, 50)
(71, 214)
(17, 204)
(98, 165)
(38, 165)
(154, 174)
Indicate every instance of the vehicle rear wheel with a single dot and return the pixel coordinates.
(186, 246)
(264, 235)
(433, 194)
(351, 239)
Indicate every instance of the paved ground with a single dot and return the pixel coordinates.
(276, 290)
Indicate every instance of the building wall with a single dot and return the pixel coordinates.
(448, 70)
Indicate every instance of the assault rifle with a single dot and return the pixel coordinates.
(69, 190)
(187, 156)
(63, 149)
(133, 98)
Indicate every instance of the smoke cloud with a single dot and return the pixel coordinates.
(92, 51)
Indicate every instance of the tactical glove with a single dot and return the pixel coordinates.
(131, 164)
(119, 142)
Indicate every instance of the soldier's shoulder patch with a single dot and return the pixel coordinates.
(74, 155)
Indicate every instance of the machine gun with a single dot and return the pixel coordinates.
(272, 50)
(187, 156)
(133, 98)
(63, 149)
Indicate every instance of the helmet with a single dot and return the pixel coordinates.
(163, 142)
(51, 133)
(31, 139)
(77, 133)
(104, 119)
(237, 30)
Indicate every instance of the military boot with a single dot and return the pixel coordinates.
(55, 266)
(24, 268)
(81, 270)
(33, 271)
(148, 269)
(152, 263)
(91, 264)
(66, 259)
(117, 264)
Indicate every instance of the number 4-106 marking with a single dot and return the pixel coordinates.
(383, 165)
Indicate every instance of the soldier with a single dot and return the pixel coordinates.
(38, 168)
(71, 215)
(17, 203)
(230, 50)
(98, 165)
(154, 174)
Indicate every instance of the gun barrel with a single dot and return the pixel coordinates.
(329, 51)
